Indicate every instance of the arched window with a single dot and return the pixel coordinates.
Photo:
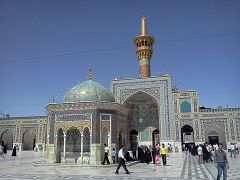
(185, 107)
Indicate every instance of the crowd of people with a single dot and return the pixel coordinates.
(215, 153)
(205, 151)
(147, 156)
(142, 153)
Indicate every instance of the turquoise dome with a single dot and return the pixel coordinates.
(88, 91)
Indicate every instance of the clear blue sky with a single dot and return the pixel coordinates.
(46, 47)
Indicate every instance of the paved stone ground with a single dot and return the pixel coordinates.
(233, 172)
(193, 170)
(179, 167)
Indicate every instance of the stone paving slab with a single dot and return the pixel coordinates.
(179, 167)
(233, 172)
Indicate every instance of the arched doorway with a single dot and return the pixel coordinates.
(143, 114)
(155, 137)
(73, 140)
(133, 139)
(73, 144)
(187, 134)
(7, 139)
(213, 137)
(59, 145)
(29, 140)
(214, 134)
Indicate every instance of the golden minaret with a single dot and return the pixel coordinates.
(144, 51)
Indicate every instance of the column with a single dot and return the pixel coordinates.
(81, 147)
(64, 145)
(110, 138)
(56, 136)
(56, 149)
(110, 147)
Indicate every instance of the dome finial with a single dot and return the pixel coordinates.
(90, 75)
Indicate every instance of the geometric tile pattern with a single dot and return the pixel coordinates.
(157, 87)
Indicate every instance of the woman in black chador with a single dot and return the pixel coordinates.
(14, 151)
(148, 156)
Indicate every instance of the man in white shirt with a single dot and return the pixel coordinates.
(200, 154)
(106, 150)
(233, 150)
(121, 160)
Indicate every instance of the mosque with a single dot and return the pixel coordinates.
(135, 111)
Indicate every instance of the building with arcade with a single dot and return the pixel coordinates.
(135, 111)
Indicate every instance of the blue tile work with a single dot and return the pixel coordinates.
(185, 105)
(157, 87)
(51, 125)
(145, 135)
(96, 128)
(88, 91)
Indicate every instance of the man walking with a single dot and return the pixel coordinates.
(106, 150)
(221, 161)
(200, 154)
(233, 150)
(163, 153)
(121, 161)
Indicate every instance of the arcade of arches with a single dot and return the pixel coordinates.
(72, 145)
(27, 133)
(135, 111)
(212, 135)
(29, 140)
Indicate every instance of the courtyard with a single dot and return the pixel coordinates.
(30, 165)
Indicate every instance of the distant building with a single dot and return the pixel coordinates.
(135, 111)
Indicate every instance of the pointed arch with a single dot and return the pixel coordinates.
(29, 139)
(187, 134)
(214, 134)
(140, 93)
(143, 110)
(7, 138)
(73, 140)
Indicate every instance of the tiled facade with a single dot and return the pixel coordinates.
(18, 130)
(143, 110)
